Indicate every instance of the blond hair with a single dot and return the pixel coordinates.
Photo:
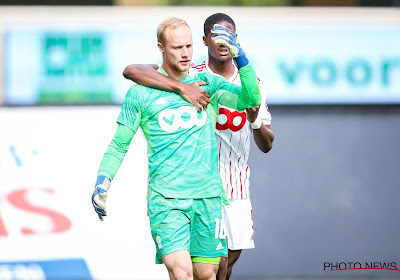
(172, 22)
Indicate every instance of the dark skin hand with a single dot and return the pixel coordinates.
(262, 136)
(194, 94)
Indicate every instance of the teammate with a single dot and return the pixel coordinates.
(185, 189)
(233, 131)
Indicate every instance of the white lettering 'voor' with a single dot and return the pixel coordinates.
(183, 117)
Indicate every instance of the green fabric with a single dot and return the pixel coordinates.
(115, 152)
(206, 260)
(192, 225)
(182, 150)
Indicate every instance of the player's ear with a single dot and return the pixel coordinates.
(205, 40)
(160, 47)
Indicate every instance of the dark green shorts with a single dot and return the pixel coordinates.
(186, 224)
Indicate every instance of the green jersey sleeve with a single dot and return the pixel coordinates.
(116, 151)
(131, 111)
(128, 123)
(249, 93)
(231, 95)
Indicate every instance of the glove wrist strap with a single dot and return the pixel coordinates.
(103, 181)
(241, 61)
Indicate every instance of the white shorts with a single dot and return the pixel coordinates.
(238, 220)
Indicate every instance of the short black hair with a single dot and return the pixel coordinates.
(216, 18)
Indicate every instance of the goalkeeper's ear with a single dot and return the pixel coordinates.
(160, 47)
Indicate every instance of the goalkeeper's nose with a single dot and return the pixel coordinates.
(185, 53)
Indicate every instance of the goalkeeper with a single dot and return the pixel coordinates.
(233, 132)
(185, 189)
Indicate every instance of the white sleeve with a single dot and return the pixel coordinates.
(264, 112)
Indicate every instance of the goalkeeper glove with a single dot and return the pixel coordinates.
(99, 196)
(224, 36)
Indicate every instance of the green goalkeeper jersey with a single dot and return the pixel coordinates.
(182, 150)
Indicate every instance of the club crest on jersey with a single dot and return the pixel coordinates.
(233, 121)
(183, 117)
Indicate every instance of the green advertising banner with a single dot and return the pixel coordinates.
(75, 69)
(71, 66)
(297, 63)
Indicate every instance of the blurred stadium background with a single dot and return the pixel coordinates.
(326, 195)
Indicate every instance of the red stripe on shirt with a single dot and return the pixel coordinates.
(240, 177)
(244, 161)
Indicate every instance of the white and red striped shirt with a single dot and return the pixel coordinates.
(233, 133)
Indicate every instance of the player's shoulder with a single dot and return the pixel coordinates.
(137, 91)
(199, 71)
(136, 88)
(211, 78)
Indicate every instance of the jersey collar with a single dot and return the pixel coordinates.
(165, 73)
(231, 79)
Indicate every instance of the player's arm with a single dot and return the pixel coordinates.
(250, 94)
(128, 123)
(147, 75)
(260, 120)
(115, 153)
(112, 160)
(263, 134)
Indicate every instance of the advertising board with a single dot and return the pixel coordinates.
(48, 228)
(298, 63)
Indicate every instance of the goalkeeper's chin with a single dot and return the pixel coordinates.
(184, 66)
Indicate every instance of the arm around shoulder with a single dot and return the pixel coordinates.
(146, 75)
(140, 73)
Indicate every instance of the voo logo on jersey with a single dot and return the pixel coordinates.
(184, 117)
